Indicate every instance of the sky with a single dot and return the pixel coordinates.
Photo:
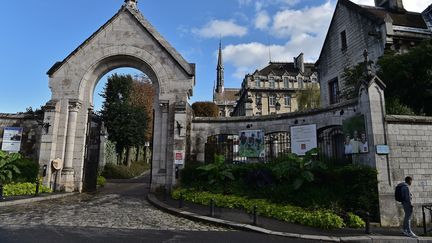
(35, 34)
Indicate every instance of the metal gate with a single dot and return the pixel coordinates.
(91, 159)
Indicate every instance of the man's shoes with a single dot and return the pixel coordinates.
(411, 234)
(406, 233)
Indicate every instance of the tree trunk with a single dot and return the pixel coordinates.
(137, 157)
(128, 157)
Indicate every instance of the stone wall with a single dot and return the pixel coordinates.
(410, 141)
(203, 127)
(30, 142)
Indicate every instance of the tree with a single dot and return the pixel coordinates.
(143, 96)
(125, 121)
(205, 109)
(309, 98)
(408, 77)
(352, 77)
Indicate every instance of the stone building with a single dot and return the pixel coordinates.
(273, 89)
(355, 28)
(224, 98)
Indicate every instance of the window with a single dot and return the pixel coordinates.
(258, 82)
(272, 82)
(272, 100)
(334, 91)
(287, 100)
(286, 82)
(343, 36)
(300, 80)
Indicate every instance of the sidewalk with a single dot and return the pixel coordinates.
(239, 219)
(16, 200)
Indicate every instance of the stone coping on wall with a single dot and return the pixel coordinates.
(408, 119)
(19, 115)
(312, 112)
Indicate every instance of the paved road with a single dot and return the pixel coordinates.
(117, 213)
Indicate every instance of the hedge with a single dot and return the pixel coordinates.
(319, 218)
(22, 189)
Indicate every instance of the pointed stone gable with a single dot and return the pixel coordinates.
(188, 68)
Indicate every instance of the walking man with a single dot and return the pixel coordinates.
(406, 198)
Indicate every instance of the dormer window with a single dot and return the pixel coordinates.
(257, 82)
(272, 82)
(286, 82)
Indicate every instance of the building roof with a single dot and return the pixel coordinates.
(229, 95)
(280, 68)
(189, 68)
(378, 15)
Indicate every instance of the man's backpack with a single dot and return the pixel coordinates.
(398, 192)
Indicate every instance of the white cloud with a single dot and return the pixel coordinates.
(262, 20)
(311, 20)
(220, 28)
(248, 57)
(410, 5)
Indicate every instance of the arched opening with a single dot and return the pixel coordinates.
(102, 155)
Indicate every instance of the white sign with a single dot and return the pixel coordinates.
(179, 157)
(382, 149)
(303, 139)
(12, 139)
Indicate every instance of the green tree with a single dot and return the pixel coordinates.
(205, 109)
(126, 122)
(408, 77)
(352, 78)
(309, 98)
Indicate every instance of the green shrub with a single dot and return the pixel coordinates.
(24, 188)
(8, 169)
(101, 181)
(354, 221)
(316, 218)
(29, 170)
(112, 171)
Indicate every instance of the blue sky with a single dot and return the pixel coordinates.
(35, 34)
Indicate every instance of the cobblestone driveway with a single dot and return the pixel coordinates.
(120, 205)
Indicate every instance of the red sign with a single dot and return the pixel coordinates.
(179, 156)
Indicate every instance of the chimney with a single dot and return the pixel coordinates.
(394, 5)
(299, 62)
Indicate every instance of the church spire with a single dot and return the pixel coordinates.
(220, 71)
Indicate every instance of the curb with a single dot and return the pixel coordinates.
(246, 227)
(35, 199)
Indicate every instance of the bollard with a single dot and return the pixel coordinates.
(165, 194)
(181, 201)
(1, 192)
(367, 231)
(424, 220)
(254, 215)
(37, 188)
(212, 208)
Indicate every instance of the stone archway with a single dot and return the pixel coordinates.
(126, 40)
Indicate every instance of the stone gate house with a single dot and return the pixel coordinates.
(128, 40)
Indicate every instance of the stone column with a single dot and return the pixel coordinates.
(68, 170)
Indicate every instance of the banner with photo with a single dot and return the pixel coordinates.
(355, 138)
(251, 144)
(12, 139)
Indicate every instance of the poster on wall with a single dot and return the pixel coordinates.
(12, 139)
(179, 157)
(355, 135)
(251, 144)
(303, 139)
